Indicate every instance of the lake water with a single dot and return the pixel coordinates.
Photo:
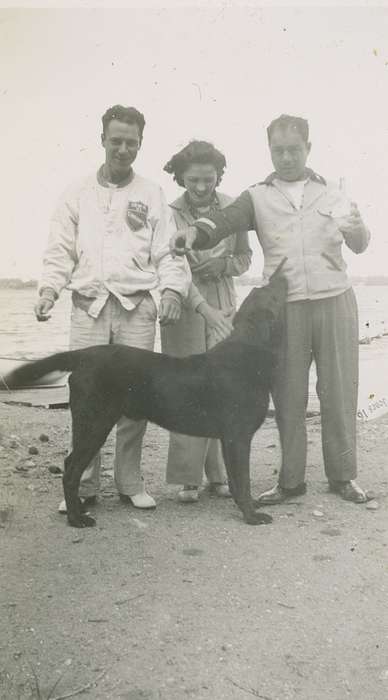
(23, 337)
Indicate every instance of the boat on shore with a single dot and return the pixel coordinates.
(51, 380)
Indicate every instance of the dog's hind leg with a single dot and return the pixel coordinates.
(84, 449)
(90, 430)
(236, 451)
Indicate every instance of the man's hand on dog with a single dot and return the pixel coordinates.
(182, 241)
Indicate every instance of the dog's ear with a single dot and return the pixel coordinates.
(245, 306)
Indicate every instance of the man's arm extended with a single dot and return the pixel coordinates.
(207, 231)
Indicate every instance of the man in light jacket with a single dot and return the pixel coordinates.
(108, 243)
(299, 216)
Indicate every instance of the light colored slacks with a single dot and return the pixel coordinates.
(117, 325)
(326, 331)
(188, 457)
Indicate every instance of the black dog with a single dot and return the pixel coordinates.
(223, 393)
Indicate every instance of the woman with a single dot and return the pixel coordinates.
(207, 315)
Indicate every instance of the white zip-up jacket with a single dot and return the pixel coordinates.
(110, 239)
(309, 237)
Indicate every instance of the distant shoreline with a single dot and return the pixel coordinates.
(244, 280)
(16, 283)
(370, 281)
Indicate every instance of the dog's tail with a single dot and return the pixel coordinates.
(27, 374)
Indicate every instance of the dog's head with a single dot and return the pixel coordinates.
(259, 319)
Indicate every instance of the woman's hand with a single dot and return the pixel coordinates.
(219, 321)
(213, 268)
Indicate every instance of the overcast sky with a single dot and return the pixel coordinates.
(220, 73)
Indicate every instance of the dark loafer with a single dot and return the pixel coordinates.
(278, 494)
(349, 491)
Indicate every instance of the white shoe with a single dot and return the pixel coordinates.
(91, 501)
(219, 489)
(62, 507)
(142, 500)
(189, 494)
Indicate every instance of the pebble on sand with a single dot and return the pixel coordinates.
(54, 470)
(139, 523)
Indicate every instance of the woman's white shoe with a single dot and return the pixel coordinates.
(189, 494)
(142, 500)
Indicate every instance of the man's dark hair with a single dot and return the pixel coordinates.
(195, 152)
(128, 115)
(286, 121)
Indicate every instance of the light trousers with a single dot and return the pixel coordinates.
(117, 325)
(189, 457)
(326, 331)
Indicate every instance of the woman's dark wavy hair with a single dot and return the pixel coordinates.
(287, 121)
(195, 152)
(128, 115)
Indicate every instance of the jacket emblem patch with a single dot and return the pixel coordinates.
(136, 215)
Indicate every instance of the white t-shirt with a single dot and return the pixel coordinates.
(293, 190)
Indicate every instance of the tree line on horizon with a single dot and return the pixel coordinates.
(246, 279)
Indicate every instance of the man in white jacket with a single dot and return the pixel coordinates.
(108, 243)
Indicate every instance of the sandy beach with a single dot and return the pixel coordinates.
(188, 601)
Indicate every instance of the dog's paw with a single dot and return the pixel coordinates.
(255, 518)
(83, 520)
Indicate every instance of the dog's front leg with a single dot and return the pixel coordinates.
(236, 451)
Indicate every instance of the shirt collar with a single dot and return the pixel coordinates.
(101, 179)
(310, 175)
(183, 202)
(194, 211)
